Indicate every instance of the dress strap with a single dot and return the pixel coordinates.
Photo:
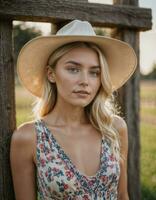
(42, 134)
(38, 125)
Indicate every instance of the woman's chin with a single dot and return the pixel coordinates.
(80, 103)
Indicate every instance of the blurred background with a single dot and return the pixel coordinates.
(24, 31)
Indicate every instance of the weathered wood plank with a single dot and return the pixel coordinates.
(130, 101)
(131, 105)
(132, 96)
(7, 108)
(80, 0)
(56, 11)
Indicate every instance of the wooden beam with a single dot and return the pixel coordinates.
(58, 11)
(79, 0)
(130, 101)
(7, 108)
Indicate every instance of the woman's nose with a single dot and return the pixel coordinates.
(84, 78)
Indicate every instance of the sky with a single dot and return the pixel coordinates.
(147, 38)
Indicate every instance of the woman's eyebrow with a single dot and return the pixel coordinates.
(79, 64)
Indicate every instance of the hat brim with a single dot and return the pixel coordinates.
(33, 57)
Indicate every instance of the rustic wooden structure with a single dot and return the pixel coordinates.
(129, 98)
(124, 16)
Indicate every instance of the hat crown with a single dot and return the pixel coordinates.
(77, 27)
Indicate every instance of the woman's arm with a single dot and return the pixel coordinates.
(123, 133)
(22, 165)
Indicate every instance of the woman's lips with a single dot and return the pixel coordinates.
(82, 93)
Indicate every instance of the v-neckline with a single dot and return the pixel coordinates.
(64, 154)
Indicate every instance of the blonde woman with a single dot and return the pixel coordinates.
(76, 148)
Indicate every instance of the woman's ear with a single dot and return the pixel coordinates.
(50, 74)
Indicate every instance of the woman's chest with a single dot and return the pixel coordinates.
(83, 149)
(60, 175)
(66, 165)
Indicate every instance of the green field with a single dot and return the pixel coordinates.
(148, 138)
(147, 127)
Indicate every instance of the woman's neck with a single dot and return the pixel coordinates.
(67, 115)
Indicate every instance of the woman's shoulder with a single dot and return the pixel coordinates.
(120, 124)
(23, 142)
(24, 133)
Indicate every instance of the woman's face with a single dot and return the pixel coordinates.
(77, 76)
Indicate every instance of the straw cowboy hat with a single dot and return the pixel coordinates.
(33, 57)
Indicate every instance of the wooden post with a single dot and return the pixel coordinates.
(130, 100)
(7, 108)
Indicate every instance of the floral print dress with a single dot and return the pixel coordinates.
(58, 178)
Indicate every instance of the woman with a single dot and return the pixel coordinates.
(76, 148)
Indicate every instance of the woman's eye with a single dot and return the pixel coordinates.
(95, 73)
(73, 69)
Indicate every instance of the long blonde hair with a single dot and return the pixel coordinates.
(100, 111)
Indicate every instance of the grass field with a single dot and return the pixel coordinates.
(147, 127)
(148, 139)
